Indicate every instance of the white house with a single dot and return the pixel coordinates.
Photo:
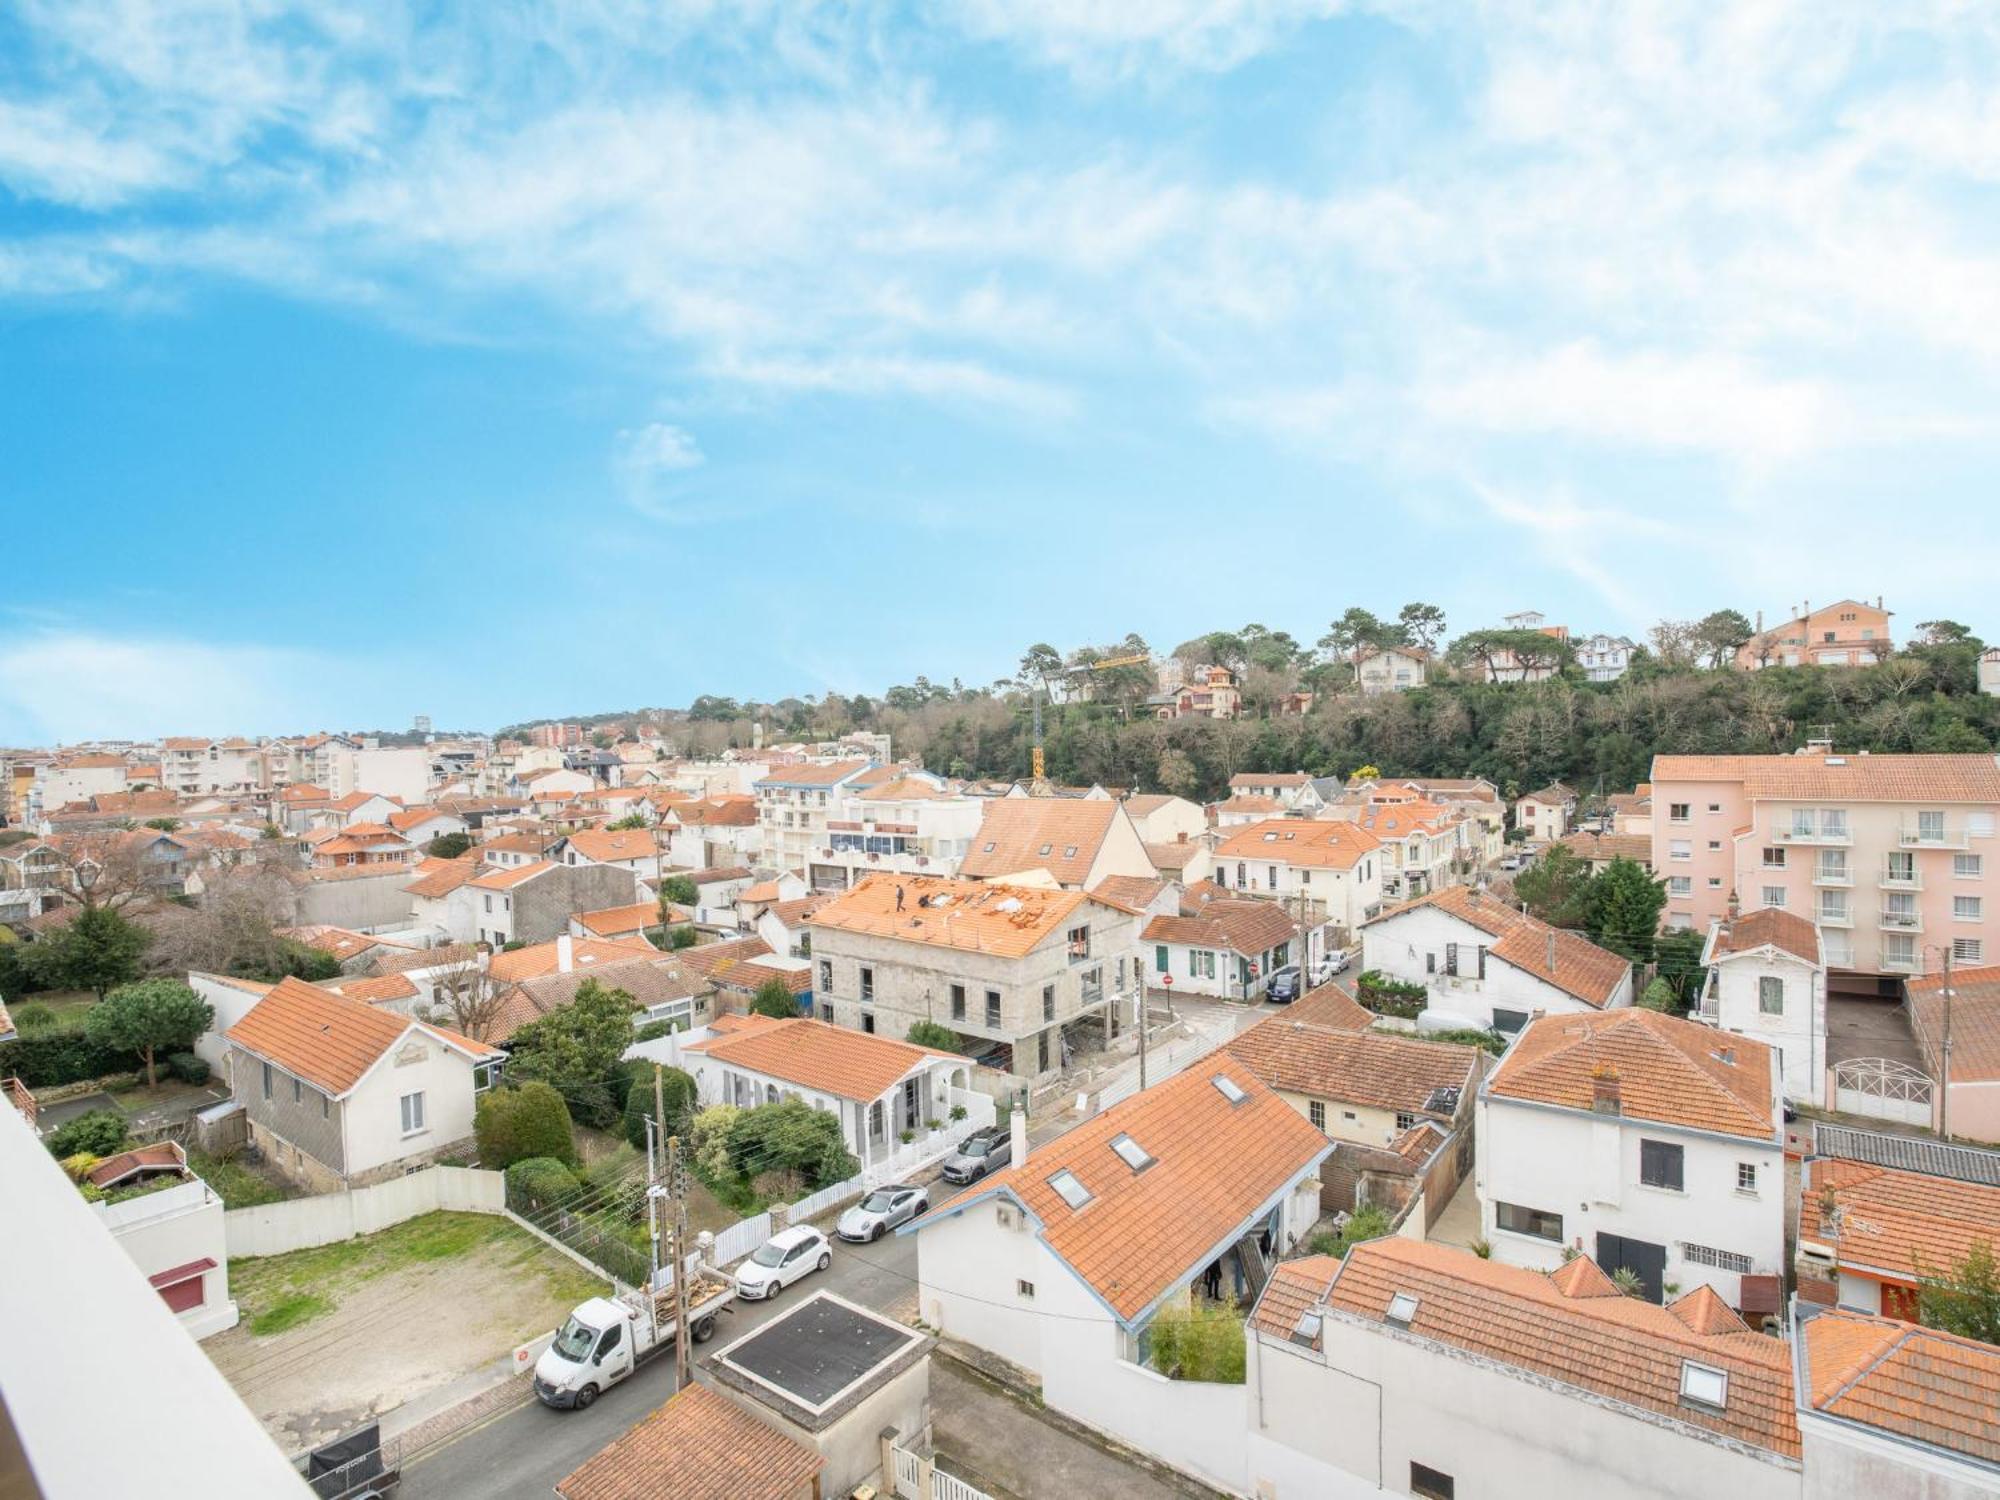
(1545, 815)
(422, 824)
(1061, 1261)
(1335, 868)
(1641, 1140)
(1391, 669)
(231, 999)
(1485, 964)
(909, 823)
(1421, 1369)
(1602, 657)
(879, 1087)
(1072, 842)
(1164, 819)
(1222, 946)
(340, 1093)
(1767, 980)
(171, 1223)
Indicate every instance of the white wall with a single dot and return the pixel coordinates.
(232, 1003)
(374, 1123)
(175, 1227)
(298, 1223)
(1412, 947)
(1586, 1167)
(1799, 1033)
(1842, 1462)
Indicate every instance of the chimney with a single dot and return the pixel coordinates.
(565, 953)
(1550, 940)
(1604, 1091)
(1017, 1129)
(1733, 908)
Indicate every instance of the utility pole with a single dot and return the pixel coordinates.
(1142, 1031)
(1944, 1083)
(653, 1230)
(677, 1185)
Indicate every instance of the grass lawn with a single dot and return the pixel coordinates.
(237, 1184)
(277, 1292)
(67, 1004)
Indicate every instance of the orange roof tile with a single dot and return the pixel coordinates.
(699, 1446)
(1843, 778)
(1216, 1164)
(414, 817)
(1307, 842)
(1168, 858)
(1581, 969)
(538, 959)
(606, 845)
(328, 1040)
(1704, 1311)
(821, 775)
(978, 916)
(1637, 847)
(1916, 1383)
(374, 988)
(1670, 1071)
(614, 920)
(440, 877)
(1355, 1067)
(506, 877)
(1566, 1327)
(815, 1055)
(1767, 926)
(1909, 1224)
(1975, 1022)
(1246, 927)
(1133, 893)
(1059, 834)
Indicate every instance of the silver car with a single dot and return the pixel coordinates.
(881, 1211)
(980, 1153)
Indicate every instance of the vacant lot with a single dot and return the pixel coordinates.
(334, 1336)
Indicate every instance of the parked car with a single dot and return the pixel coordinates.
(1333, 961)
(979, 1153)
(1284, 986)
(786, 1257)
(881, 1211)
(1510, 862)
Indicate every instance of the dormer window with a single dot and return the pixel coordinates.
(1704, 1385)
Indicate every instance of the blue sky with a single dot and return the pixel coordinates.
(522, 361)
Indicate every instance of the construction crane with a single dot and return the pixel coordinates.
(1040, 781)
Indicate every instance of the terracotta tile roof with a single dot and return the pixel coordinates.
(1331, 1006)
(442, 956)
(824, 775)
(1975, 1022)
(699, 1446)
(1843, 778)
(906, 789)
(1582, 969)
(1909, 1224)
(727, 812)
(506, 877)
(1059, 834)
(440, 877)
(328, 1040)
(1637, 847)
(1398, 820)
(604, 845)
(1355, 1067)
(1296, 1288)
(763, 890)
(1269, 778)
(615, 920)
(1704, 1311)
(1133, 893)
(386, 869)
(415, 817)
(1916, 1383)
(649, 981)
(158, 1157)
(1314, 843)
(1247, 927)
(1243, 803)
(1169, 858)
(538, 959)
(715, 874)
(342, 943)
(374, 988)
(1215, 1165)
(715, 959)
(977, 916)
(518, 843)
(814, 1055)
(794, 913)
(1767, 926)
(1669, 1071)
(1565, 1327)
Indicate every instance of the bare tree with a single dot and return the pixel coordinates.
(233, 928)
(1674, 642)
(469, 995)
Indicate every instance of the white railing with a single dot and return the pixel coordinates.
(909, 1474)
(1903, 921)
(740, 1238)
(1913, 835)
(919, 1478)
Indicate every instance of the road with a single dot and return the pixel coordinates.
(523, 1452)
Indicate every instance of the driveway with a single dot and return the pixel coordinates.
(1869, 1028)
(523, 1452)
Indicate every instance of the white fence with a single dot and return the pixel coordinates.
(740, 1238)
(919, 1478)
(274, 1228)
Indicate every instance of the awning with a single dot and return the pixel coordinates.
(182, 1273)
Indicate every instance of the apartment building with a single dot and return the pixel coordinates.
(793, 805)
(191, 767)
(1425, 846)
(1071, 842)
(1851, 633)
(909, 825)
(1007, 967)
(1886, 853)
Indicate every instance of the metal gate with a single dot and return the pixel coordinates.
(1882, 1089)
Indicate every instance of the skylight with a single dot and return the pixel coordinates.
(1227, 1087)
(1072, 1192)
(1131, 1152)
(1704, 1384)
(1402, 1309)
(1306, 1330)
(1045, 848)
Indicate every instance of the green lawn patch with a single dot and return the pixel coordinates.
(237, 1185)
(288, 1312)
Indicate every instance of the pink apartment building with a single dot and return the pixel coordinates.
(1887, 853)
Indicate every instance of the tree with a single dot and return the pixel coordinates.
(574, 1049)
(1675, 643)
(165, 825)
(935, 1035)
(1176, 774)
(678, 1089)
(1358, 628)
(1660, 996)
(1964, 1299)
(1677, 952)
(473, 1001)
(708, 1141)
(96, 950)
(1720, 635)
(679, 890)
(1556, 887)
(1422, 625)
(234, 931)
(793, 1139)
(1622, 911)
(449, 846)
(631, 822)
(151, 1016)
(522, 1121)
(100, 1132)
(774, 998)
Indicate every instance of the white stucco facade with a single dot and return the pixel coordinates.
(1443, 952)
(1779, 999)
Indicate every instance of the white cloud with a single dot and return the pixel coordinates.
(657, 448)
(1110, 37)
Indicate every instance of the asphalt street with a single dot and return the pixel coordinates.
(523, 1452)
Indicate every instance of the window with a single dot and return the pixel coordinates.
(1720, 1260)
(1316, 1112)
(1704, 1385)
(1714, 845)
(1402, 1310)
(826, 976)
(1715, 882)
(1072, 1192)
(1677, 812)
(1902, 866)
(413, 1113)
(1930, 827)
(1515, 1219)
(1899, 948)
(1967, 950)
(1131, 1152)
(1048, 1002)
(1042, 1052)
(1508, 1022)
(1680, 885)
(1680, 849)
(993, 1008)
(1770, 995)
(958, 1002)
(1429, 1483)
(298, 1092)
(1774, 895)
(826, 1014)
(1965, 908)
(1746, 1177)
(1405, 1120)
(1774, 858)
(867, 984)
(1160, 962)
(1025, 1289)
(868, 1021)
(267, 1080)
(1227, 1087)
(1967, 865)
(1660, 1165)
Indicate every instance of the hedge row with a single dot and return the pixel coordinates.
(59, 1055)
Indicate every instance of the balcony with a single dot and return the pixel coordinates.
(1834, 918)
(1912, 880)
(1900, 963)
(1902, 921)
(1947, 836)
(1825, 838)
(1836, 878)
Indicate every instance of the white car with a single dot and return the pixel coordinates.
(1334, 961)
(786, 1257)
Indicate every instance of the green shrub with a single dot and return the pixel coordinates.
(934, 1035)
(538, 1183)
(1389, 997)
(1197, 1341)
(774, 998)
(679, 1092)
(1369, 1222)
(652, 1031)
(62, 1054)
(1469, 1036)
(681, 937)
(523, 1122)
(187, 1067)
(34, 1016)
(708, 1142)
(101, 1132)
(794, 1138)
(680, 890)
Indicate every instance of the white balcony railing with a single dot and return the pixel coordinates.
(1836, 878)
(1835, 919)
(1900, 963)
(1889, 880)
(1945, 836)
(1832, 838)
(1902, 921)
